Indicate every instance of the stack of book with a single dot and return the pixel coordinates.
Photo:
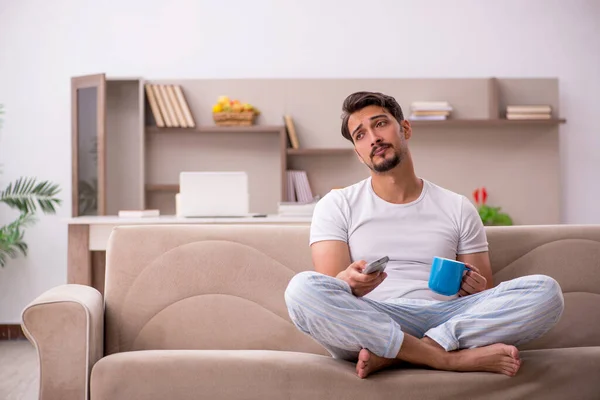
(298, 187)
(168, 106)
(529, 112)
(300, 200)
(430, 110)
(295, 209)
(139, 213)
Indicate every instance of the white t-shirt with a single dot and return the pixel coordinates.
(439, 223)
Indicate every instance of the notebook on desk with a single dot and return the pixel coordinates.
(213, 194)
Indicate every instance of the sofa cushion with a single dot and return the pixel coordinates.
(568, 253)
(215, 374)
(205, 287)
(199, 287)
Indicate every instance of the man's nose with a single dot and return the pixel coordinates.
(375, 140)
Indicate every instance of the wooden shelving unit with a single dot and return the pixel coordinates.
(150, 187)
(450, 123)
(218, 129)
(482, 123)
(319, 151)
(138, 164)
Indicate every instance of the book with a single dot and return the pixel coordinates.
(162, 105)
(296, 209)
(154, 106)
(138, 213)
(291, 132)
(430, 106)
(527, 116)
(299, 189)
(428, 117)
(430, 110)
(185, 108)
(429, 113)
(169, 106)
(176, 106)
(533, 109)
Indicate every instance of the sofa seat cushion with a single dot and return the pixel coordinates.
(256, 374)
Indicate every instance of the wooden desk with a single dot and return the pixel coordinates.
(88, 237)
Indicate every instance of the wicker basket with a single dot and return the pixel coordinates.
(245, 118)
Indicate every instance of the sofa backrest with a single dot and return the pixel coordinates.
(203, 287)
(222, 286)
(568, 253)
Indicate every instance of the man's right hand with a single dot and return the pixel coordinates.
(360, 283)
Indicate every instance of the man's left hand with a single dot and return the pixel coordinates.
(473, 282)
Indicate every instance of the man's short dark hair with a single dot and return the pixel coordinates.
(359, 100)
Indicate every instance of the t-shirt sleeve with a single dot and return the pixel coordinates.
(473, 238)
(330, 219)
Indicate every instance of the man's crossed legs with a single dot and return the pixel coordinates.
(473, 333)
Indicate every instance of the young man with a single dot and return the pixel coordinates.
(383, 318)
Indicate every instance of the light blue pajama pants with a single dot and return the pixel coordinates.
(514, 312)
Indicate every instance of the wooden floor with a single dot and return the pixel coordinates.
(18, 370)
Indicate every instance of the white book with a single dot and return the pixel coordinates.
(431, 108)
(542, 109)
(138, 213)
(528, 116)
(428, 117)
(291, 190)
(430, 104)
(303, 190)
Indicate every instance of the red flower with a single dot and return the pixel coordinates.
(480, 196)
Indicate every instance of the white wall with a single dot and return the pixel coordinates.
(43, 44)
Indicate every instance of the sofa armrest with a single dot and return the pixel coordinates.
(66, 326)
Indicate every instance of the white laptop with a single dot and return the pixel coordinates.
(213, 194)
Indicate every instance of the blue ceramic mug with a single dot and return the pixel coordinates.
(446, 276)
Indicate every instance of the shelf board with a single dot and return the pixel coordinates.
(162, 187)
(487, 122)
(319, 151)
(219, 129)
(424, 124)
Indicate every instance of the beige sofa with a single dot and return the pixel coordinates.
(198, 312)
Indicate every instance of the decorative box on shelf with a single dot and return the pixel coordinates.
(228, 112)
(243, 118)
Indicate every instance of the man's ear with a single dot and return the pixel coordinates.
(406, 129)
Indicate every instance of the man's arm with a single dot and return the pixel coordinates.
(330, 250)
(330, 257)
(480, 277)
(473, 250)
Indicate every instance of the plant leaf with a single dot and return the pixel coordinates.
(26, 194)
(11, 238)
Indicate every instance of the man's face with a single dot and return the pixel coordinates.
(378, 138)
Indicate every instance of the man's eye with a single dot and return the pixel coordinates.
(359, 135)
(380, 123)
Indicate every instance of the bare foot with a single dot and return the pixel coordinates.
(368, 363)
(499, 358)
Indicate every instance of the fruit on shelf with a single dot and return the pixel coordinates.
(225, 104)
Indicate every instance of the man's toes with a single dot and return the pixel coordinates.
(364, 355)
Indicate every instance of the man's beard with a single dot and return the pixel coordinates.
(387, 164)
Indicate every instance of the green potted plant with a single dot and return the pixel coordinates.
(28, 196)
(489, 215)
